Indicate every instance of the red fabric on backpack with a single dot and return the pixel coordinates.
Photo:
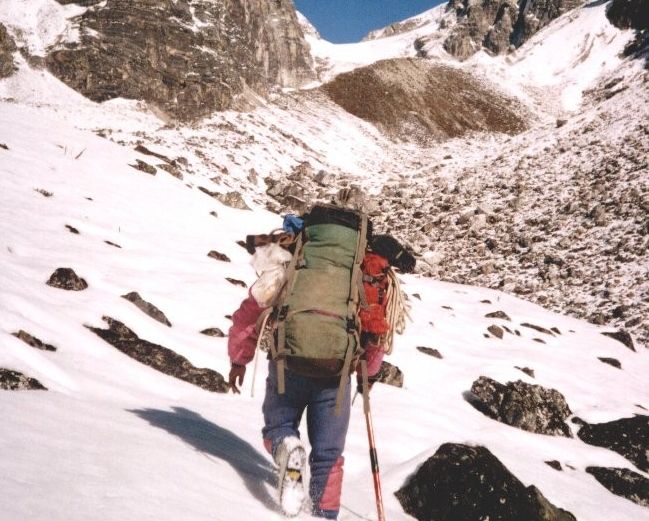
(375, 283)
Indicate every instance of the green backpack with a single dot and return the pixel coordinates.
(315, 319)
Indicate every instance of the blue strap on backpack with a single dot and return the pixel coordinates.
(292, 224)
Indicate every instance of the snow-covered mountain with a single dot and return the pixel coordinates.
(132, 201)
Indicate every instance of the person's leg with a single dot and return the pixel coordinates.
(327, 433)
(282, 412)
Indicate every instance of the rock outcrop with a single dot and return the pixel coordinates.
(416, 100)
(17, 381)
(159, 358)
(66, 278)
(186, 57)
(389, 374)
(7, 48)
(32, 341)
(626, 436)
(500, 25)
(529, 407)
(147, 307)
(464, 482)
(624, 483)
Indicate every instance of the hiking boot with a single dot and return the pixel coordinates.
(290, 456)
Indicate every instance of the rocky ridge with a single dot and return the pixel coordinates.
(7, 48)
(211, 53)
(500, 25)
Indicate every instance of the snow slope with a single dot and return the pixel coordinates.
(113, 439)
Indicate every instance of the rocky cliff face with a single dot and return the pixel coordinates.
(500, 25)
(187, 57)
(632, 14)
(7, 48)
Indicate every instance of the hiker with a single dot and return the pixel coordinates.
(295, 384)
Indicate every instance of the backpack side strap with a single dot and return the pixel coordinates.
(354, 348)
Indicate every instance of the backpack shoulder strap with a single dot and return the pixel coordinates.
(278, 351)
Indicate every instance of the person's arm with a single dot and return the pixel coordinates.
(242, 340)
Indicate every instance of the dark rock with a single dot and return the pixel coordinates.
(539, 340)
(113, 244)
(171, 169)
(147, 307)
(236, 282)
(626, 436)
(460, 482)
(498, 314)
(496, 331)
(16, 381)
(554, 464)
(72, 229)
(629, 14)
(430, 351)
(213, 331)
(33, 341)
(621, 336)
(142, 166)
(218, 256)
(3, 146)
(389, 374)
(537, 328)
(529, 407)
(186, 58)
(555, 330)
(7, 49)
(144, 150)
(527, 371)
(66, 278)
(43, 192)
(623, 482)
(610, 361)
(159, 358)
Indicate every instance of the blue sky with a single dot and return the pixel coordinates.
(344, 21)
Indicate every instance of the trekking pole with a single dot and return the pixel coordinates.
(374, 460)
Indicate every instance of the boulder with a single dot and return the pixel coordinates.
(529, 407)
(389, 374)
(462, 482)
(16, 381)
(158, 357)
(621, 336)
(430, 351)
(66, 278)
(33, 341)
(213, 331)
(213, 254)
(623, 482)
(626, 436)
(147, 307)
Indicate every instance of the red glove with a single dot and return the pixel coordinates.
(237, 372)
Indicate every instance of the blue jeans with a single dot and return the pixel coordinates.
(327, 432)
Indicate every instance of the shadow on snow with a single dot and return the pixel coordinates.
(212, 440)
